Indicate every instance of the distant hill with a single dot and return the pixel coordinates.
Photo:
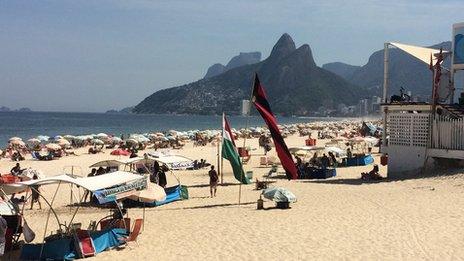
(4, 109)
(236, 61)
(124, 110)
(344, 70)
(404, 71)
(295, 85)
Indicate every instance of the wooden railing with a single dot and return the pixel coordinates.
(448, 133)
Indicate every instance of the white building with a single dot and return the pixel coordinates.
(417, 131)
(245, 107)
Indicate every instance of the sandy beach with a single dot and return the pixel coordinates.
(336, 218)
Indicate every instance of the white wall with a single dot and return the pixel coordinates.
(404, 161)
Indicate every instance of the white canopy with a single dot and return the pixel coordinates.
(421, 53)
(108, 163)
(90, 183)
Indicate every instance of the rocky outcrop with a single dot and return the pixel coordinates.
(236, 61)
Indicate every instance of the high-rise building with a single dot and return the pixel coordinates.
(245, 108)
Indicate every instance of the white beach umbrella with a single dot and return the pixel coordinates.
(97, 142)
(69, 137)
(14, 139)
(116, 139)
(63, 142)
(53, 146)
(17, 143)
(132, 141)
(33, 141)
(102, 136)
(43, 138)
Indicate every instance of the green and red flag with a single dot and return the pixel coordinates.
(230, 152)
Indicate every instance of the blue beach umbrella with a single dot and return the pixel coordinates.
(279, 195)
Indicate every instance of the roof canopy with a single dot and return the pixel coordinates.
(93, 184)
(421, 53)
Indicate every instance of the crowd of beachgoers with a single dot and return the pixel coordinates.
(47, 148)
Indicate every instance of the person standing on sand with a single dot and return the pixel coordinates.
(35, 193)
(213, 181)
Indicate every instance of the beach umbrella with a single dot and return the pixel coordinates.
(116, 140)
(279, 195)
(97, 142)
(337, 151)
(63, 142)
(152, 193)
(14, 139)
(53, 146)
(33, 141)
(69, 137)
(43, 138)
(17, 143)
(58, 137)
(132, 141)
(101, 136)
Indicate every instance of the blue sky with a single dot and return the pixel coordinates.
(84, 55)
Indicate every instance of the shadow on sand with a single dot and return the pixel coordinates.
(432, 173)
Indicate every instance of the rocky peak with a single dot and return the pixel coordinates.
(236, 61)
(283, 47)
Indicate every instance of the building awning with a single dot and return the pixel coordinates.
(421, 53)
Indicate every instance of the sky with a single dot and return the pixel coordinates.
(92, 56)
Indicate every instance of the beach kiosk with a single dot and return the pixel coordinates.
(418, 131)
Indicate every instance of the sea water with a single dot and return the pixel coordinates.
(30, 124)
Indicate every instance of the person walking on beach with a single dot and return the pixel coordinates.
(35, 193)
(213, 181)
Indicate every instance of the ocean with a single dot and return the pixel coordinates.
(30, 124)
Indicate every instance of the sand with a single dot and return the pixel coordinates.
(337, 218)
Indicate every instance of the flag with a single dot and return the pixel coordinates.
(436, 69)
(230, 153)
(262, 105)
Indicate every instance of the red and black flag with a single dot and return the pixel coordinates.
(436, 69)
(262, 105)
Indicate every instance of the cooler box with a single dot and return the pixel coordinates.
(311, 142)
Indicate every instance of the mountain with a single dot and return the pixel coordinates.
(4, 109)
(236, 61)
(404, 71)
(295, 85)
(214, 70)
(124, 110)
(342, 69)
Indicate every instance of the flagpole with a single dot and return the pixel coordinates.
(218, 155)
(222, 144)
(245, 137)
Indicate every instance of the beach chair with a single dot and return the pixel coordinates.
(84, 243)
(133, 235)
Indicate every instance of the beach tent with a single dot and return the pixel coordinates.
(174, 162)
(107, 187)
(108, 163)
